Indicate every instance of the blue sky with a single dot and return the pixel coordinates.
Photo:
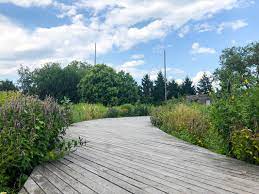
(130, 34)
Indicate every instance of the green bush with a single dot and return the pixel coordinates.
(236, 117)
(84, 112)
(31, 132)
(189, 122)
(129, 110)
(245, 146)
(112, 112)
(7, 96)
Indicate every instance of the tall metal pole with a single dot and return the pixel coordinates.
(165, 75)
(94, 53)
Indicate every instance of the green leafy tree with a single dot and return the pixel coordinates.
(239, 68)
(147, 89)
(173, 90)
(204, 85)
(53, 80)
(72, 74)
(159, 88)
(25, 82)
(187, 87)
(7, 86)
(127, 87)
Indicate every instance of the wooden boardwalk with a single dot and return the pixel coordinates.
(129, 155)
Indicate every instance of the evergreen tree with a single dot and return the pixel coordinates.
(187, 87)
(173, 90)
(146, 89)
(159, 88)
(204, 85)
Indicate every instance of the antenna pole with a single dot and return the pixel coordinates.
(165, 75)
(94, 53)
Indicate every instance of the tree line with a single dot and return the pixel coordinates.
(82, 82)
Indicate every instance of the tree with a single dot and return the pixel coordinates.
(25, 82)
(7, 86)
(173, 90)
(147, 89)
(239, 68)
(72, 74)
(128, 88)
(204, 85)
(159, 88)
(102, 84)
(187, 87)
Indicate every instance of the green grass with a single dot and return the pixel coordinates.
(85, 112)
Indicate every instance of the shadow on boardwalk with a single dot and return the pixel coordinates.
(129, 155)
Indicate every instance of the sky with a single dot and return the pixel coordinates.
(130, 34)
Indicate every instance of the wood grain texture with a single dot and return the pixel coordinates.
(129, 155)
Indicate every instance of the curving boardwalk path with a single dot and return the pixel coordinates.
(129, 155)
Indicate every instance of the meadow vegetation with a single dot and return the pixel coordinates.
(31, 132)
(35, 114)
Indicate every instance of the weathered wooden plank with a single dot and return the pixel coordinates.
(129, 155)
(58, 182)
(44, 184)
(23, 191)
(77, 184)
(212, 177)
(32, 187)
(94, 182)
(118, 179)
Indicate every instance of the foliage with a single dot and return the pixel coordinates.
(146, 89)
(233, 114)
(189, 122)
(103, 85)
(245, 146)
(53, 80)
(7, 86)
(187, 87)
(204, 85)
(128, 110)
(8, 96)
(84, 112)
(127, 87)
(173, 90)
(31, 132)
(239, 68)
(159, 88)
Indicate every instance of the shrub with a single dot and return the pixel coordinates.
(84, 112)
(128, 110)
(245, 146)
(7, 96)
(232, 114)
(112, 112)
(188, 122)
(31, 132)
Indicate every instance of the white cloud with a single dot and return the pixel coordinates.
(199, 75)
(183, 31)
(28, 3)
(138, 56)
(134, 63)
(204, 27)
(234, 25)
(111, 24)
(197, 49)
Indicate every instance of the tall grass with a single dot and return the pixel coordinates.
(85, 112)
(189, 122)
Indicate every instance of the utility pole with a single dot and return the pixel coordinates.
(165, 75)
(94, 53)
